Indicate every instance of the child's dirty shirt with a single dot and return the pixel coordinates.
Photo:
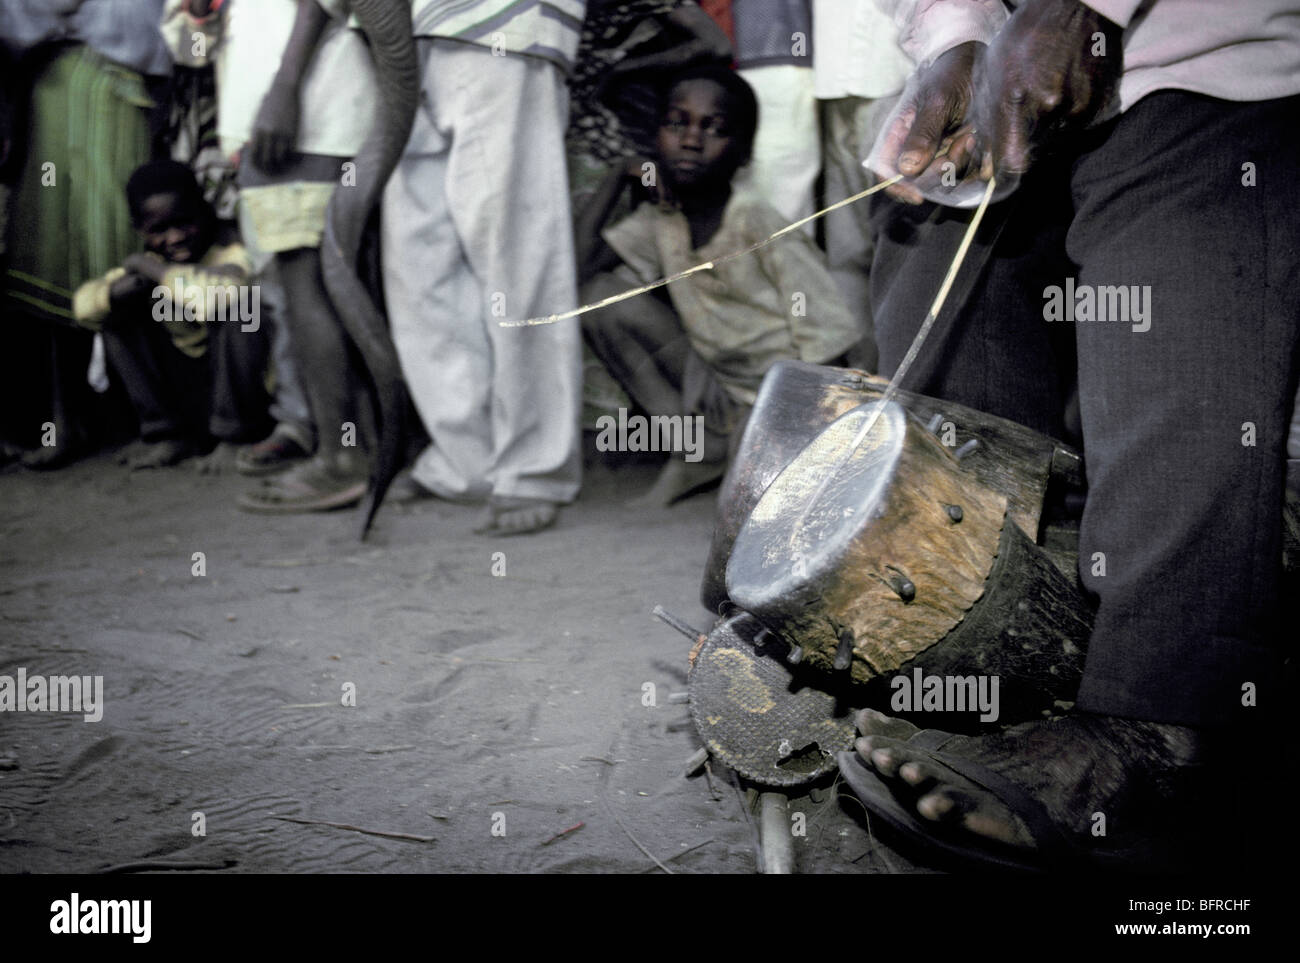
(779, 302)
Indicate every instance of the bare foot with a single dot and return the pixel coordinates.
(516, 516)
(405, 490)
(162, 454)
(48, 458)
(680, 478)
(1093, 776)
(219, 461)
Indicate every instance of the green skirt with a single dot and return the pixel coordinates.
(88, 130)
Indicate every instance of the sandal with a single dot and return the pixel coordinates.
(313, 486)
(880, 800)
(275, 453)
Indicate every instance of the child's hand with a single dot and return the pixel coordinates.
(128, 287)
(149, 266)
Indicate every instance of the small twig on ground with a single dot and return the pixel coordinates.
(562, 833)
(357, 829)
(376, 750)
(623, 826)
(148, 865)
(689, 849)
(871, 837)
(462, 659)
(193, 635)
(608, 762)
(307, 705)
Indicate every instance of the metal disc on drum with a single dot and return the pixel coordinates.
(759, 715)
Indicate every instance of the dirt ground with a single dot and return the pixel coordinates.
(492, 712)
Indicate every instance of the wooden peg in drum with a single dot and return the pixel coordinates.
(844, 653)
(903, 586)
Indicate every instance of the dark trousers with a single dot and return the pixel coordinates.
(1184, 425)
(221, 395)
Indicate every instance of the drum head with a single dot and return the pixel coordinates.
(762, 717)
(803, 524)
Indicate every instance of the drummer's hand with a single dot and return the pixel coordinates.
(943, 94)
(1049, 71)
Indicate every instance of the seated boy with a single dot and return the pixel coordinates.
(703, 349)
(181, 325)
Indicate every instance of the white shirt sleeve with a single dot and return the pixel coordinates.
(928, 28)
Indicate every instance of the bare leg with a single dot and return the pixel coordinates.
(643, 344)
(336, 475)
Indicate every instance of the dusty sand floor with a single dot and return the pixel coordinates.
(482, 702)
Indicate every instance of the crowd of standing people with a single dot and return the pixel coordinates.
(527, 114)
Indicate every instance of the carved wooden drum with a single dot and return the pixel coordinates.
(888, 556)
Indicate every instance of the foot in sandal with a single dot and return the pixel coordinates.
(1028, 798)
(322, 483)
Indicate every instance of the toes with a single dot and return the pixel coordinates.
(516, 517)
(941, 806)
(881, 754)
(991, 820)
(978, 813)
(918, 775)
(873, 723)
(525, 520)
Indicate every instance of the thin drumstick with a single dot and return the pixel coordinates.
(706, 266)
(891, 390)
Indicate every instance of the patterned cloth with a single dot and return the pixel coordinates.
(192, 134)
(547, 29)
(245, 40)
(611, 32)
(88, 131)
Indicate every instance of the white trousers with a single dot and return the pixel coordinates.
(476, 230)
(787, 150)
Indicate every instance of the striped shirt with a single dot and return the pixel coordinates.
(535, 28)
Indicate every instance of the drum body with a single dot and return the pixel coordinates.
(876, 554)
(797, 401)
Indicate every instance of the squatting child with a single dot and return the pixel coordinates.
(703, 347)
(180, 323)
